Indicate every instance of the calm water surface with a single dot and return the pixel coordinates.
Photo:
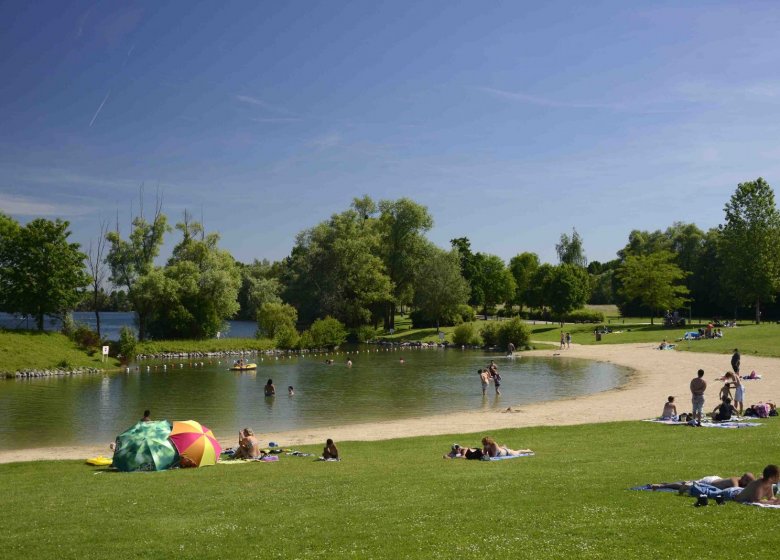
(94, 409)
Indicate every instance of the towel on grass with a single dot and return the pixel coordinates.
(649, 487)
(531, 454)
(708, 424)
(763, 505)
(328, 460)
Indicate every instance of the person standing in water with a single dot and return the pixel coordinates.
(269, 389)
(484, 378)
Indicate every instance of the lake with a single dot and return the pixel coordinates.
(94, 409)
(111, 322)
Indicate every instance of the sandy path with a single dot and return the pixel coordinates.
(657, 375)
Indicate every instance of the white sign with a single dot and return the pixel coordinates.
(441, 336)
(392, 331)
(105, 350)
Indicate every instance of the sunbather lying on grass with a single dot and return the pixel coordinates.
(492, 449)
(720, 483)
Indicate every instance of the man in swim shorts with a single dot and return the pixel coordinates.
(698, 386)
(484, 377)
(762, 490)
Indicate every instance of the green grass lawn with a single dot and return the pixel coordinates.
(34, 350)
(400, 499)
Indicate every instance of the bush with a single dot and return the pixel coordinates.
(327, 333)
(127, 342)
(467, 313)
(64, 364)
(514, 331)
(466, 334)
(272, 317)
(68, 325)
(584, 316)
(365, 333)
(86, 338)
(305, 341)
(490, 333)
(286, 337)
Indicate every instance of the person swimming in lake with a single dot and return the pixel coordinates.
(492, 449)
(269, 389)
(147, 416)
(290, 391)
(349, 363)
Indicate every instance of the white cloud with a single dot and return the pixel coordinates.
(23, 206)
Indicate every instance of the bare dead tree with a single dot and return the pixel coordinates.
(97, 269)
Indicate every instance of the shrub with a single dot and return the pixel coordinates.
(305, 341)
(272, 317)
(86, 338)
(127, 342)
(467, 313)
(514, 331)
(64, 364)
(584, 316)
(327, 333)
(68, 325)
(466, 334)
(365, 333)
(286, 337)
(490, 333)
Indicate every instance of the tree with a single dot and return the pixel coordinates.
(570, 250)
(537, 296)
(97, 271)
(750, 244)
(203, 281)
(9, 229)
(493, 283)
(334, 269)
(273, 318)
(440, 288)
(402, 225)
(42, 273)
(258, 286)
(566, 288)
(131, 259)
(468, 267)
(523, 267)
(652, 279)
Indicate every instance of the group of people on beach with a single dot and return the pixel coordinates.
(565, 340)
(489, 449)
(249, 447)
(488, 374)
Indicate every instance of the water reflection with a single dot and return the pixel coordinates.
(90, 409)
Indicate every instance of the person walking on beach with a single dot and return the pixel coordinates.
(739, 394)
(568, 340)
(735, 359)
(563, 341)
(698, 386)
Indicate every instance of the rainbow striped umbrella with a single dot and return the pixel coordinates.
(195, 443)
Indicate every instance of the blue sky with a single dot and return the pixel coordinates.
(512, 121)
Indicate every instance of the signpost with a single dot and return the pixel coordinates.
(105, 352)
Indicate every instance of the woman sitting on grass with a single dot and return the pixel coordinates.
(330, 451)
(248, 446)
(492, 449)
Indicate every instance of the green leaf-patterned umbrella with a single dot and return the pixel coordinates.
(145, 447)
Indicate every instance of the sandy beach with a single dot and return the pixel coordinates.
(657, 374)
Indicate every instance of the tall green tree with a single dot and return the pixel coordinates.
(273, 318)
(655, 280)
(468, 267)
(493, 283)
(566, 288)
(440, 288)
(570, 250)
(523, 267)
(42, 272)
(402, 226)
(205, 282)
(335, 269)
(132, 258)
(259, 285)
(750, 244)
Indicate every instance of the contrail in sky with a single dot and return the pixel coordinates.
(98, 109)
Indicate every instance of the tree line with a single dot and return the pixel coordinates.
(362, 266)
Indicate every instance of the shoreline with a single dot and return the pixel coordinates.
(655, 375)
